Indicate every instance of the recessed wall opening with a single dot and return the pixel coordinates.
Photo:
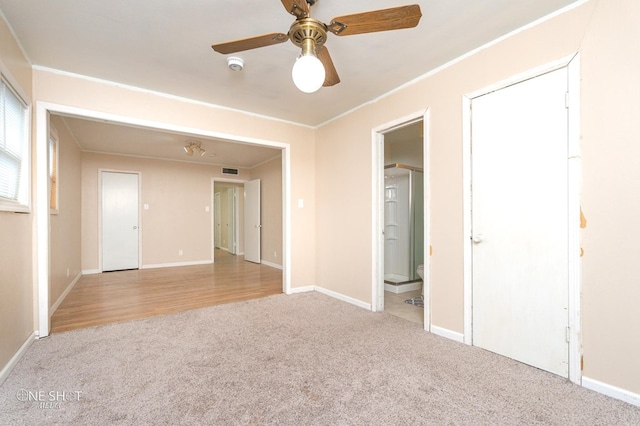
(200, 211)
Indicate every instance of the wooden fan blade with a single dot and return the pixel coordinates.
(395, 18)
(250, 43)
(298, 8)
(331, 75)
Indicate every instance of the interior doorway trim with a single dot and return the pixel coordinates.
(43, 109)
(377, 197)
(572, 63)
(215, 180)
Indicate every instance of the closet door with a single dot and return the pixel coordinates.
(520, 222)
(120, 215)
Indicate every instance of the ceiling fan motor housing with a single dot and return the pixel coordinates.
(308, 29)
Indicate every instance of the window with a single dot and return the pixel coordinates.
(14, 150)
(53, 171)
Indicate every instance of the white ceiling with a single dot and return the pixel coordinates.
(165, 46)
(112, 138)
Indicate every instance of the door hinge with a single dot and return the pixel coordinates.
(568, 334)
(566, 100)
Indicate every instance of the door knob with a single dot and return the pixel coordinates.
(477, 238)
(135, 227)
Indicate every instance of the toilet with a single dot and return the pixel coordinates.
(420, 272)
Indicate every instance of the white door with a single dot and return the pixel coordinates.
(217, 219)
(252, 223)
(520, 222)
(120, 233)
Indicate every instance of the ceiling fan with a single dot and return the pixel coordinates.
(314, 67)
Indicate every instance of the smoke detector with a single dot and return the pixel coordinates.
(235, 63)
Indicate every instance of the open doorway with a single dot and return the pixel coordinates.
(228, 208)
(399, 284)
(150, 204)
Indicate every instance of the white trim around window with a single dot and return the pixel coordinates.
(54, 170)
(15, 145)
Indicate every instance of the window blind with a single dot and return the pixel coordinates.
(13, 145)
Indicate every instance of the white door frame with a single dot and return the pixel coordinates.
(41, 284)
(231, 211)
(377, 196)
(100, 171)
(236, 232)
(252, 213)
(216, 212)
(572, 63)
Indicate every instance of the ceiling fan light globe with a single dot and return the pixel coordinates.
(308, 74)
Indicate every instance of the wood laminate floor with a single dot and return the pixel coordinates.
(127, 295)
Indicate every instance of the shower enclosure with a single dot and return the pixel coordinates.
(403, 223)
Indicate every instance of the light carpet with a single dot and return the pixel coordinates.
(305, 359)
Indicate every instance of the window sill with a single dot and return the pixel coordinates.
(14, 208)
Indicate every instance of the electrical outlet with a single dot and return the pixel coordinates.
(180, 253)
(275, 253)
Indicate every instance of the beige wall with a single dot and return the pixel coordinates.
(177, 194)
(270, 175)
(64, 243)
(343, 200)
(607, 36)
(611, 188)
(408, 152)
(16, 246)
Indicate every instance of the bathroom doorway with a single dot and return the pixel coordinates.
(402, 219)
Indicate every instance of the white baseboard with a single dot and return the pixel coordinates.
(612, 391)
(296, 290)
(449, 334)
(91, 271)
(64, 295)
(171, 265)
(273, 265)
(339, 296)
(330, 293)
(6, 370)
